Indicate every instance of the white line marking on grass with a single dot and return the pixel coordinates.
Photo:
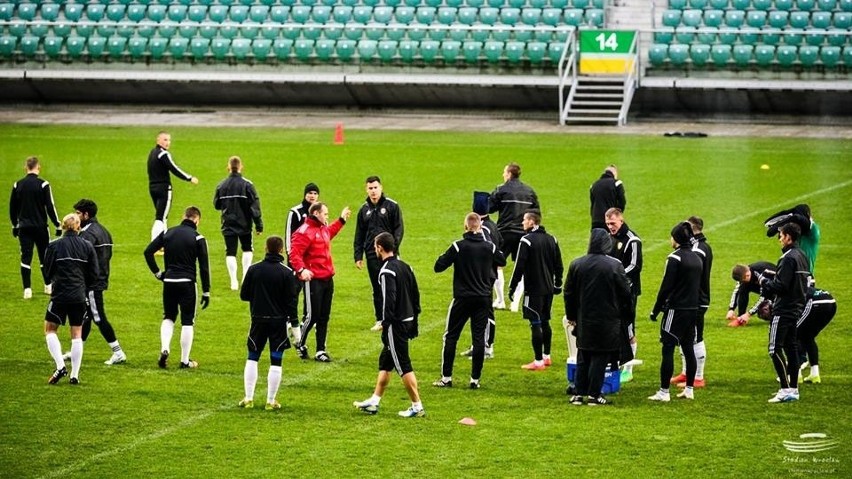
(768, 209)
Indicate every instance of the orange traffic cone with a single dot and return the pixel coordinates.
(338, 134)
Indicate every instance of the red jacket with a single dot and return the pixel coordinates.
(310, 247)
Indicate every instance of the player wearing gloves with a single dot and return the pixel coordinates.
(182, 246)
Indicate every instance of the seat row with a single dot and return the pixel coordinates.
(319, 13)
(744, 55)
(786, 5)
(283, 49)
(774, 36)
(757, 18)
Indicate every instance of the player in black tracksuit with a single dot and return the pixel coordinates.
(819, 311)
(378, 214)
(789, 288)
(71, 265)
(540, 264)
(627, 248)
(160, 167)
(474, 260)
(239, 203)
(30, 205)
(748, 281)
(605, 193)
(93, 232)
(678, 299)
(272, 290)
(183, 246)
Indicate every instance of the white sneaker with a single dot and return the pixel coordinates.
(28, 293)
(48, 289)
(661, 396)
(234, 285)
(376, 327)
(116, 358)
(366, 406)
(687, 393)
(411, 412)
(498, 304)
(782, 395)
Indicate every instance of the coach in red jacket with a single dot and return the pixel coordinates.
(310, 256)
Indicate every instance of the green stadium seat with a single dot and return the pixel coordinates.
(493, 51)
(815, 37)
(756, 18)
(367, 50)
(62, 29)
(719, 4)
(18, 28)
(699, 53)
(53, 46)
(303, 48)
(199, 47)
(720, 54)
(480, 34)
(178, 46)
(845, 5)
(684, 34)
(786, 55)
(342, 14)
(467, 15)
(516, 3)
(345, 49)
(208, 31)
(536, 52)
(279, 13)
(595, 17)
(116, 46)
(826, 5)
(713, 18)
(842, 20)
(185, 29)
(671, 18)
(96, 45)
(363, 14)
(353, 31)
(29, 45)
(407, 50)
(312, 30)
(537, 3)
(829, 55)
(664, 35)
(799, 19)
(115, 12)
(551, 16)
(764, 54)
(7, 12)
(734, 18)
(586, 3)
(126, 29)
(106, 28)
(446, 15)
(510, 15)
(137, 46)
(837, 38)
(743, 54)
(374, 31)
(300, 14)
(678, 54)
(559, 3)
(501, 33)
(38, 29)
(73, 12)
(291, 31)
(522, 33)
(472, 50)
(321, 13)
(95, 12)
(136, 12)
(75, 45)
(707, 35)
(764, 5)
(249, 29)
(489, 15)
(785, 5)
(778, 18)
(531, 16)
(27, 11)
(429, 50)
(390, 3)
(740, 4)
(349, 3)
(8, 43)
(474, 3)
(404, 14)
(333, 30)
(197, 13)
(175, 13)
(458, 32)
(821, 20)
(699, 4)
(514, 51)
(438, 33)
(282, 47)
(678, 4)
(324, 47)
(270, 30)
(259, 14)
(382, 14)
(261, 48)
(574, 17)
(230, 30)
(157, 47)
(770, 36)
(387, 50)
(691, 17)
(793, 36)
(217, 13)
(238, 13)
(50, 12)
(554, 51)
(808, 55)
(542, 35)
(450, 50)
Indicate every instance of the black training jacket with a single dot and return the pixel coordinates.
(627, 248)
(295, 217)
(400, 295)
(239, 203)
(790, 284)
(72, 267)
(606, 193)
(474, 261)
(160, 164)
(491, 232)
(183, 245)
(95, 233)
(31, 203)
(271, 289)
(739, 298)
(706, 254)
(681, 285)
(377, 218)
(539, 263)
(511, 200)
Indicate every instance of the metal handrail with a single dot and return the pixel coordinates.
(567, 66)
(631, 80)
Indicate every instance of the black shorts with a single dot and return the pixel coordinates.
(510, 243)
(231, 243)
(161, 196)
(678, 326)
(537, 308)
(274, 332)
(394, 356)
(58, 312)
(181, 295)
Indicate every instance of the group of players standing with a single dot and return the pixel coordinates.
(600, 294)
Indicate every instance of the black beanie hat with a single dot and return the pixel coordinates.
(480, 202)
(311, 187)
(682, 233)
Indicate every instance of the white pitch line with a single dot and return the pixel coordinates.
(773, 208)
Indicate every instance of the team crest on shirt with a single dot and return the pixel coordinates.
(383, 211)
(619, 245)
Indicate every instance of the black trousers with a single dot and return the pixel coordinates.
(373, 267)
(477, 309)
(29, 238)
(97, 313)
(318, 296)
(782, 349)
(161, 196)
(591, 368)
(813, 321)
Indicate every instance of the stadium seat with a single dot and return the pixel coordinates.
(493, 50)
(230, 30)
(574, 17)
(836, 38)
(407, 50)
(429, 50)
(472, 50)
(691, 17)
(238, 13)
(324, 48)
(38, 29)
(217, 13)
(829, 55)
(279, 13)
(664, 35)
(531, 16)
(842, 20)
(73, 12)
(720, 54)
(514, 51)
(586, 3)
(467, 15)
(764, 5)
(713, 18)
(719, 4)
(312, 30)
(136, 12)
(137, 46)
(300, 14)
(52, 46)
(74, 46)
(106, 28)
(845, 5)
(684, 34)
(785, 5)
(115, 12)
(560, 3)
(749, 35)
(770, 36)
(259, 14)
(282, 47)
(353, 31)
(29, 45)
(404, 15)
(489, 15)
(793, 36)
(474, 3)
(707, 35)
(786, 55)
(799, 19)
(450, 50)
(671, 18)
(260, 48)
(699, 4)
(551, 16)
(510, 15)
(8, 43)
(50, 12)
(178, 47)
(699, 53)
(363, 14)
(734, 18)
(458, 32)
(27, 11)
(197, 13)
(815, 37)
(333, 30)
(157, 47)
(126, 29)
(387, 50)
(595, 17)
(382, 14)
(501, 33)
(554, 51)
(95, 12)
(433, 3)
(175, 13)
(764, 54)
(678, 54)
(18, 28)
(208, 31)
(342, 14)
(821, 20)
(96, 45)
(743, 54)
(374, 31)
(345, 49)
(756, 18)
(778, 18)
(740, 4)
(7, 12)
(678, 4)
(826, 6)
(808, 55)
(199, 47)
(321, 13)
(536, 52)
(367, 50)
(303, 48)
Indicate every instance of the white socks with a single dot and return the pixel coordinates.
(273, 380)
(54, 347)
(247, 257)
(167, 328)
(498, 286)
(815, 370)
(186, 335)
(76, 356)
(700, 358)
(231, 263)
(375, 399)
(250, 378)
(158, 228)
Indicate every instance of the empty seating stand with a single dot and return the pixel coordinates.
(736, 34)
(448, 32)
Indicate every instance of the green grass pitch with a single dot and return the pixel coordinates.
(135, 420)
